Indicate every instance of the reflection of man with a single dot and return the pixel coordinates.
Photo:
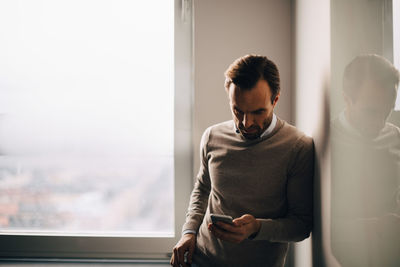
(365, 167)
(256, 168)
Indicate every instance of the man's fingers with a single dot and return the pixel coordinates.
(236, 229)
(187, 243)
(177, 261)
(190, 254)
(181, 256)
(227, 227)
(224, 235)
(174, 259)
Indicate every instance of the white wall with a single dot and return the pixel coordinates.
(311, 83)
(225, 30)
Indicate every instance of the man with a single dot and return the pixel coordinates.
(256, 168)
(365, 167)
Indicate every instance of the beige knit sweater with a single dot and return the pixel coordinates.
(269, 178)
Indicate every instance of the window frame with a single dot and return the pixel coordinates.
(67, 246)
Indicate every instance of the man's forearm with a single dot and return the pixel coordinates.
(290, 229)
(197, 207)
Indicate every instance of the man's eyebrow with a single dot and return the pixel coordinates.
(260, 109)
(254, 111)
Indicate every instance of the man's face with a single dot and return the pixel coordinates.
(252, 109)
(371, 108)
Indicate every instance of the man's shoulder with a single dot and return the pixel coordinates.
(293, 134)
(221, 128)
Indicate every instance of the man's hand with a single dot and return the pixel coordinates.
(187, 243)
(241, 229)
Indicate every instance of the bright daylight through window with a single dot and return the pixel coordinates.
(87, 117)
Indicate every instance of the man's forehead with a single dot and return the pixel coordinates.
(249, 100)
(260, 90)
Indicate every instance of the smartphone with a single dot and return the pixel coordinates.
(221, 218)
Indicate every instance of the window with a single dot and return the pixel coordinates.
(94, 127)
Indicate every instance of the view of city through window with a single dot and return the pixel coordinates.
(87, 117)
(87, 194)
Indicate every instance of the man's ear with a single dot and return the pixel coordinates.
(276, 99)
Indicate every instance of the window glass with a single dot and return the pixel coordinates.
(87, 116)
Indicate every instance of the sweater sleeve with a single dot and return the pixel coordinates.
(199, 197)
(297, 223)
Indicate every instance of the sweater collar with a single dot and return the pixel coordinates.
(271, 126)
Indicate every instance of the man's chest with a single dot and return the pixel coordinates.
(257, 173)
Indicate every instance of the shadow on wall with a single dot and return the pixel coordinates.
(321, 233)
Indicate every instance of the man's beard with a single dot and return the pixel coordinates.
(254, 131)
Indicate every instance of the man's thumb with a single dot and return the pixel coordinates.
(244, 219)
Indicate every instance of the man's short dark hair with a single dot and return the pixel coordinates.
(366, 68)
(246, 71)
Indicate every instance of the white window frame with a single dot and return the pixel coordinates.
(32, 246)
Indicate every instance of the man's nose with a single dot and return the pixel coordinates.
(247, 120)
